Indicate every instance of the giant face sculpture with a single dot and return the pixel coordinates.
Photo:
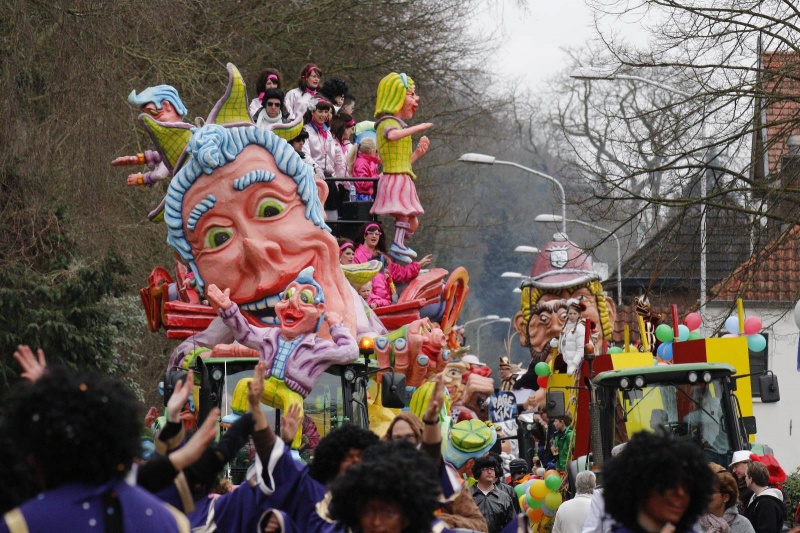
(561, 271)
(244, 212)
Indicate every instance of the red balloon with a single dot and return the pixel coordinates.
(542, 381)
(693, 321)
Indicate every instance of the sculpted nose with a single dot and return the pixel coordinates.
(260, 255)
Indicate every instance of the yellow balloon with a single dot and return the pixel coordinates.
(538, 489)
(552, 500)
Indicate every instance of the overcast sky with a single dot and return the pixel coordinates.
(532, 47)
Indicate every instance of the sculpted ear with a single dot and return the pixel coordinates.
(322, 189)
(521, 327)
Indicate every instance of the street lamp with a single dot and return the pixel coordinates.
(487, 317)
(512, 275)
(478, 335)
(491, 160)
(522, 249)
(589, 75)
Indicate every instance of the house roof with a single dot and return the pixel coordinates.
(670, 260)
(771, 275)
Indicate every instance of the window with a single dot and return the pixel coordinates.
(758, 363)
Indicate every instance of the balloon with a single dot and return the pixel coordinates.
(553, 481)
(520, 490)
(695, 335)
(752, 325)
(523, 501)
(732, 325)
(542, 369)
(664, 333)
(542, 382)
(730, 335)
(552, 500)
(664, 351)
(535, 515)
(615, 349)
(551, 472)
(538, 489)
(693, 321)
(534, 504)
(683, 333)
(756, 342)
(547, 510)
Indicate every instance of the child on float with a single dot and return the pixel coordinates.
(573, 336)
(372, 245)
(366, 166)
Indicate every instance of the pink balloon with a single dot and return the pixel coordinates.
(752, 325)
(693, 321)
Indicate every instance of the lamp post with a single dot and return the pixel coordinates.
(556, 218)
(491, 160)
(487, 317)
(478, 335)
(522, 249)
(589, 75)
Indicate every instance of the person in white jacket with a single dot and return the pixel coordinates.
(573, 336)
(571, 514)
(297, 99)
(322, 148)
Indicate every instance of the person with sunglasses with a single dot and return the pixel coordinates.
(272, 110)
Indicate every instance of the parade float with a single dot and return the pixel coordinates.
(693, 387)
(258, 273)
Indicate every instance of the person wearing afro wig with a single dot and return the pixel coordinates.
(657, 484)
(79, 434)
(394, 489)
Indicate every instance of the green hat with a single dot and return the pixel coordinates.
(468, 439)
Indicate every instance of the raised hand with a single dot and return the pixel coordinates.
(180, 395)
(254, 391)
(218, 299)
(32, 368)
(437, 400)
(190, 452)
(425, 261)
(290, 423)
(136, 180)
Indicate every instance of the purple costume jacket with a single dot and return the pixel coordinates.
(309, 359)
(80, 507)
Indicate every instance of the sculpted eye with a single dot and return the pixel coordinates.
(288, 293)
(269, 207)
(306, 296)
(544, 319)
(216, 237)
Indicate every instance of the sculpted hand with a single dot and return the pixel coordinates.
(290, 423)
(425, 261)
(128, 160)
(136, 180)
(180, 395)
(232, 350)
(333, 318)
(218, 299)
(32, 369)
(190, 452)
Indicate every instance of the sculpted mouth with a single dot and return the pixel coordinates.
(263, 309)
